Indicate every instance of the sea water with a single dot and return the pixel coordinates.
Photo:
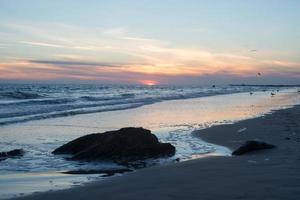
(39, 118)
(20, 103)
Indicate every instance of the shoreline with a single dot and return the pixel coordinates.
(267, 174)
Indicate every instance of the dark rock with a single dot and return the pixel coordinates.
(107, 172)
(124, 145)
(11, 154)
(139, 164)
(250, 146)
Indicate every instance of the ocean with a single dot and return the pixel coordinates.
(20, 103)
(39, 118)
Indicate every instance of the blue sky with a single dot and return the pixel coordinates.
(130, 41)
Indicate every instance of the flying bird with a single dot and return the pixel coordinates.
(259, 74)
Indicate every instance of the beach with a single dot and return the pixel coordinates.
(266, 174)
(151, 100)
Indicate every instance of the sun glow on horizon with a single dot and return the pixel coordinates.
(149, 82)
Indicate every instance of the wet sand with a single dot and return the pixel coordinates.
(267, 174)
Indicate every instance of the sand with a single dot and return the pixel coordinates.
(268, 174)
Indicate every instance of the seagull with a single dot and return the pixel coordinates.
(251, 93)
(272, 94)
(259, 74)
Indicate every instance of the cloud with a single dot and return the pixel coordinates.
(118, 31)
(72, 63)
(63, 46)
(43, 44)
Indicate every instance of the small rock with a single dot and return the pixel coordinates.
(250, 146)
(108, 172)
(11, 154)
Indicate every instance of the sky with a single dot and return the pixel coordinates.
(150, 42)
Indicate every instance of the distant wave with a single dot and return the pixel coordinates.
(128, 95)
(21, 118)
(37, 102)
(20, 95)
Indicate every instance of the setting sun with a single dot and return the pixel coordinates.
(149, 82)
